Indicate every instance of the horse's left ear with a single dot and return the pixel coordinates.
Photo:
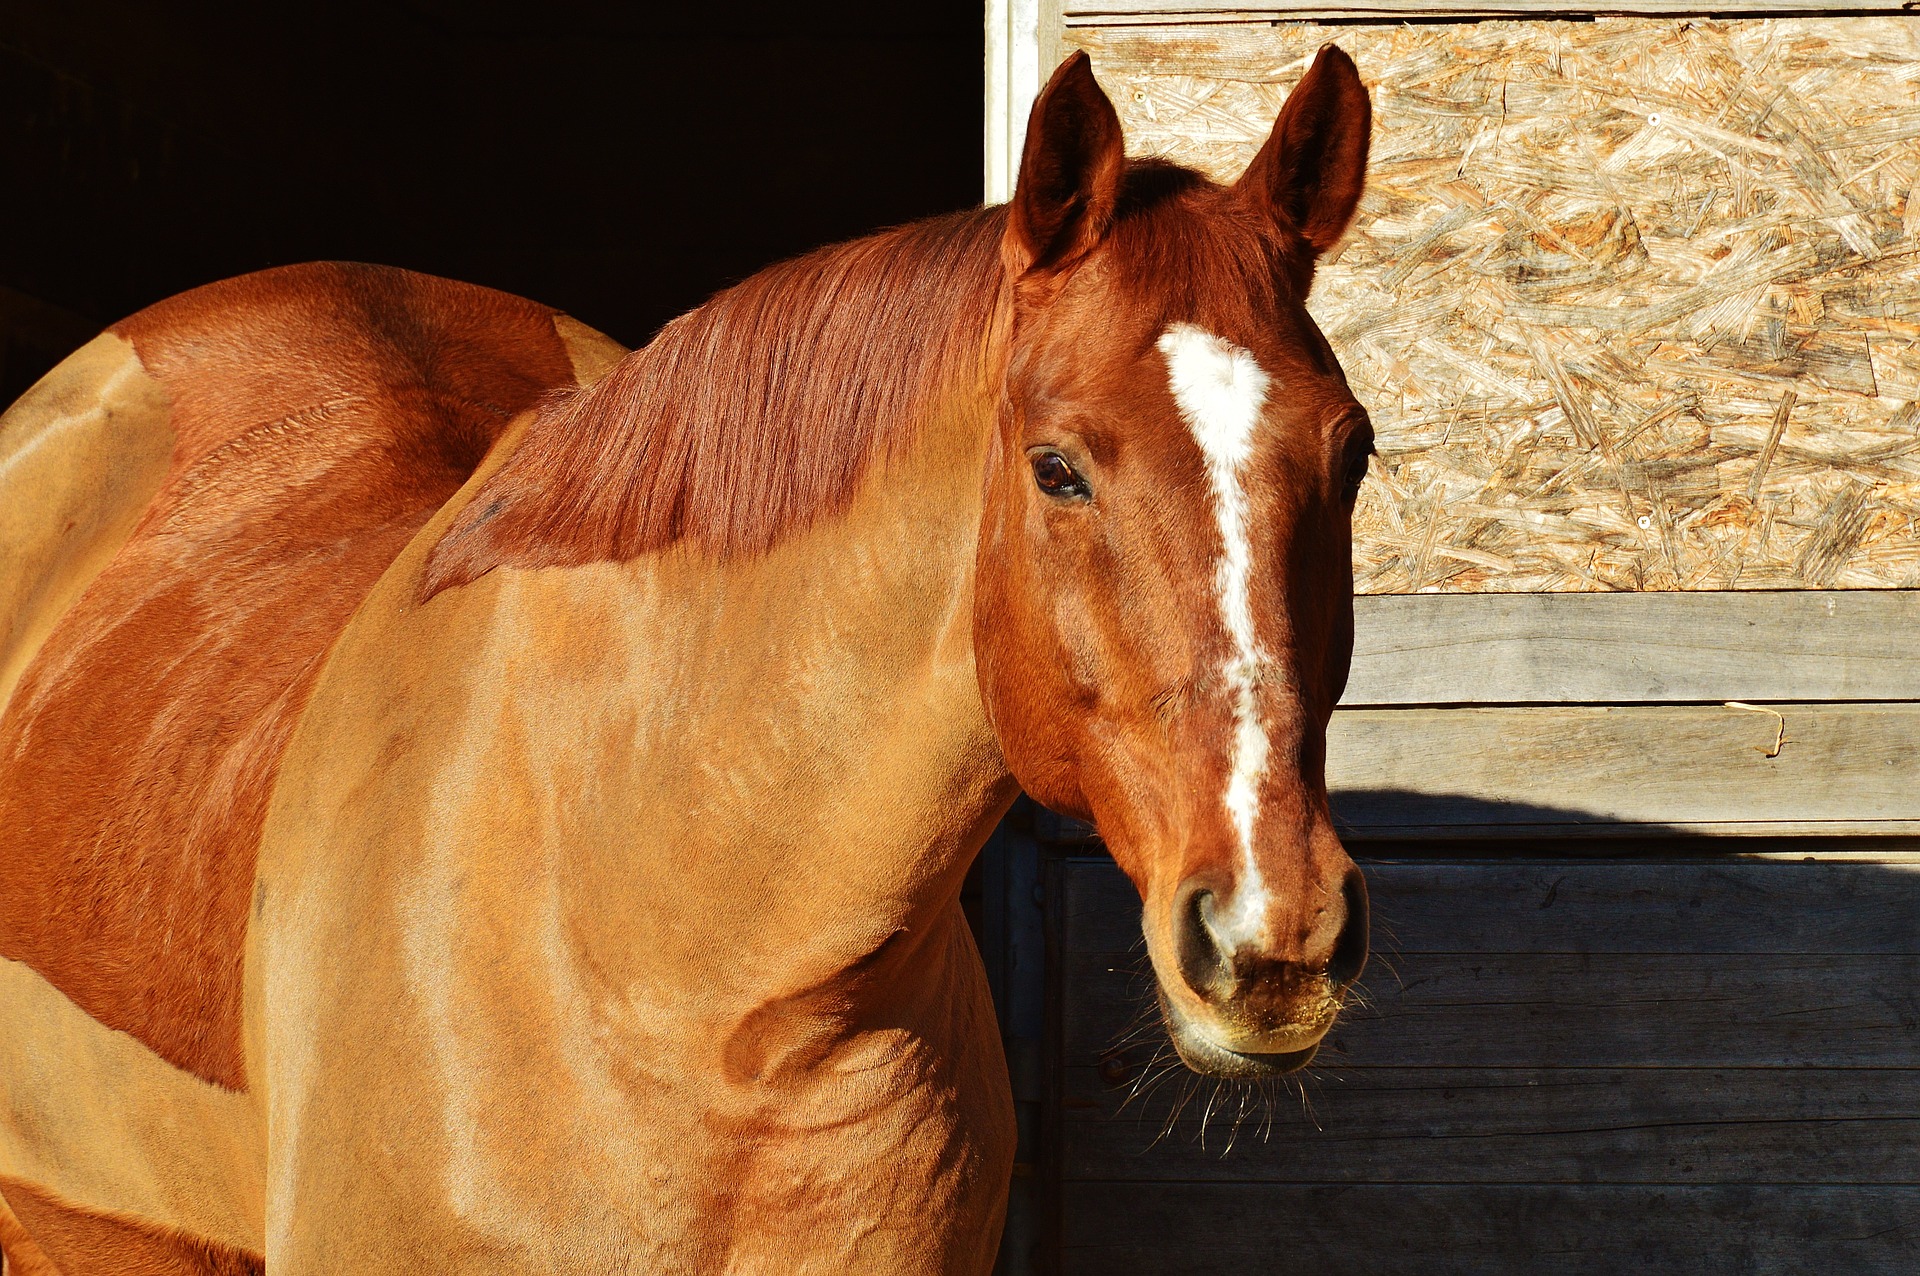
(1069, 173)
(1309, 175)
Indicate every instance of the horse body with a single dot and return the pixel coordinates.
(668, 960)
(457, 826)
(535, 981)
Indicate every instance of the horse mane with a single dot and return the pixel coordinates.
(748, 418)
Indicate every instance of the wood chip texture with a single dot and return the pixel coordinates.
(1634, 303)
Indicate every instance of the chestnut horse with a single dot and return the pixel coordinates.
(476, 800)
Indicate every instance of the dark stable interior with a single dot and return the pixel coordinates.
(621, 161)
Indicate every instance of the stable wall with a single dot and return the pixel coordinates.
(1629, 750)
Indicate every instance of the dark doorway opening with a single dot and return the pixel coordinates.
(619, 161)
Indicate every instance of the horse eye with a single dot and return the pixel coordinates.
(1356, 474)
(1055, 477)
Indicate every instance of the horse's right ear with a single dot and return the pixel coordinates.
(1308, 177)
(1069, 173)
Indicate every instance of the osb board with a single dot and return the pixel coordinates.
(1109, 12)
(1634, 302)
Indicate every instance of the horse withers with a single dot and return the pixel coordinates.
(474, 799)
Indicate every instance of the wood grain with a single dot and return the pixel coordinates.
(1462, 1125)
(1630, 300)
(1554, 1010)
(1113, 12)
(1224, 1229)
(1717, 906)
(1673, 1064)
(1606, 771)
(1099, 12)
(1414, 649)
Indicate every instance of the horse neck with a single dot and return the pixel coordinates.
(789, 762)
(652, 840)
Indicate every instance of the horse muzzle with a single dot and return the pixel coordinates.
(1246, 1006)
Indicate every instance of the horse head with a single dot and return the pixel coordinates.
(1163, 599)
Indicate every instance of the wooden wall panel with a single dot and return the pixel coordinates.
(1485, 1125)
(1110, 12)
(1632, 301)
(1607, 771)
(1728, 904)
(1832, 645)
(1231, 1229)
(1583, 1010)
(1652, 1064)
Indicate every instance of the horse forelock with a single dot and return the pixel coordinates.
(1184, 250)
(746, 419)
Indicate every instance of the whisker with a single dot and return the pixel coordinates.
(1246, 1090)
(1144, 1088)
(1173, 1117)
(1388, 961)
(1306, 1107)
(1207, 1114)
(1160, 1079)
(1254, 1101)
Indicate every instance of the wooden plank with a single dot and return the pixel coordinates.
(1588, 771)
(1554, 1010)
(1016, 66)
(1628, 300)
(1222, 1229)
(1091, 12)
(1718, 906)
(1413, 649)
(1460, 1125)
(1105, 12)
(1075, 24)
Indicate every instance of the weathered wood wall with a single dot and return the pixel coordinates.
(1633, 301)
(1609, 715)
(1835, 646)
(1645, 1065)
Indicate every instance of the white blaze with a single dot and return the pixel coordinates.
(1221, 390)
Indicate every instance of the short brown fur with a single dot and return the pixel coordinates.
(75, 1241)
(321, 413)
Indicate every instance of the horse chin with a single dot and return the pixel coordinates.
(1202, 1054)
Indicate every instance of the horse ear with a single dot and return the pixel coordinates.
(1308, 177)
(1069, 173)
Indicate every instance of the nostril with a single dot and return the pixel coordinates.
(1202, 964)
(1350, 949)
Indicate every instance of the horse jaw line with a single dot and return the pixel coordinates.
(1220, 390)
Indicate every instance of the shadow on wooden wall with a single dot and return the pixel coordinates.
(1656, 1055)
